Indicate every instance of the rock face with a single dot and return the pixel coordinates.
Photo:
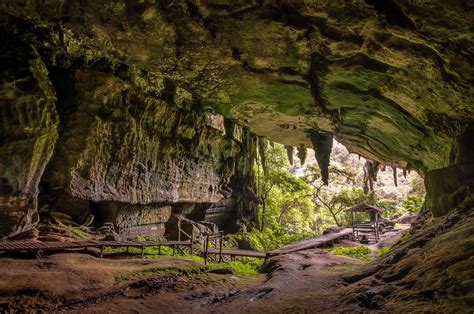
(430, 270)
(164, 102)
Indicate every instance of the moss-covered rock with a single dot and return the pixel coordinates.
(128, 83)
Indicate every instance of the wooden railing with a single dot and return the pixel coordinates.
(216, 238)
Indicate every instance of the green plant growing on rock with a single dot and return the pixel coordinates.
(383, 251)
(360, 252)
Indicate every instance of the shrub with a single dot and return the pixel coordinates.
(360, 252)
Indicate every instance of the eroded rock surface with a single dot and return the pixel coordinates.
(431, 269)
(165, 102)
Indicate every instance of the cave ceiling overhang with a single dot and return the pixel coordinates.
(392, 81)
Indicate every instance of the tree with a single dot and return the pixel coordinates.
(285, 199)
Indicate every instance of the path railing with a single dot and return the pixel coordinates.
(215, 238)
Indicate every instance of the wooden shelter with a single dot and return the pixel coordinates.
(366, 229)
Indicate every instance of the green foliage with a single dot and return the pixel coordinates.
(360, 252)
(248, 266)
(149, 252)
(287, 212)
(267, 240)
(413, 203)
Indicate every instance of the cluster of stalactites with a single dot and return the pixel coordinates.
(371, 169)
(301, 153)
(322, 144)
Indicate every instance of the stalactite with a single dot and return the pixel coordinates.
(395, 176)
(302, 154)
(371, 169)
(289, 153)
(322, 144)
(262, 148)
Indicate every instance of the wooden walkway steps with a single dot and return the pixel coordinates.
(312, 243)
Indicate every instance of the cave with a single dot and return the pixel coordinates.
(136, 116)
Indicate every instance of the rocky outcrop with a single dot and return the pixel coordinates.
(448, 187)
(164, 102)
(429, 270)
(28, 132)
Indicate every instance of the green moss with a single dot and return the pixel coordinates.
(382, 251)
(359, 252)
(78, 232)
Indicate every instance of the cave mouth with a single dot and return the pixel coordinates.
(328, 143)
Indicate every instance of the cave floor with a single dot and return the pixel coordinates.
(81, 282)
(306, 281)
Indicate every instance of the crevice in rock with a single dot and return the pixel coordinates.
(393, 13)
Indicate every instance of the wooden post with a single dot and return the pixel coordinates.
(101, 251)
(376, 227)
(354, 237)
(221, 237)
(206, 249)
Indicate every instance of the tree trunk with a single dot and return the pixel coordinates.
(334, 217)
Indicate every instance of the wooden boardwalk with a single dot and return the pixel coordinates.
(40, 247)
(312, 243)
(300, 246)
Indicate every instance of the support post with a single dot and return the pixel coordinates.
(206, 251)
(179, 230)
(221, 237)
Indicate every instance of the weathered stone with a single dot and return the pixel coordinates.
(27, 132)
(137, 88)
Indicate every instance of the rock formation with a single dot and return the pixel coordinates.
(164, 103)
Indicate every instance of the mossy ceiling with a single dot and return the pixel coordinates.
(392, 80)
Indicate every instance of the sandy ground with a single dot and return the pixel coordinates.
(308, 281)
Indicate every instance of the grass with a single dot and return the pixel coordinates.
(246, 267)
(360, 252)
